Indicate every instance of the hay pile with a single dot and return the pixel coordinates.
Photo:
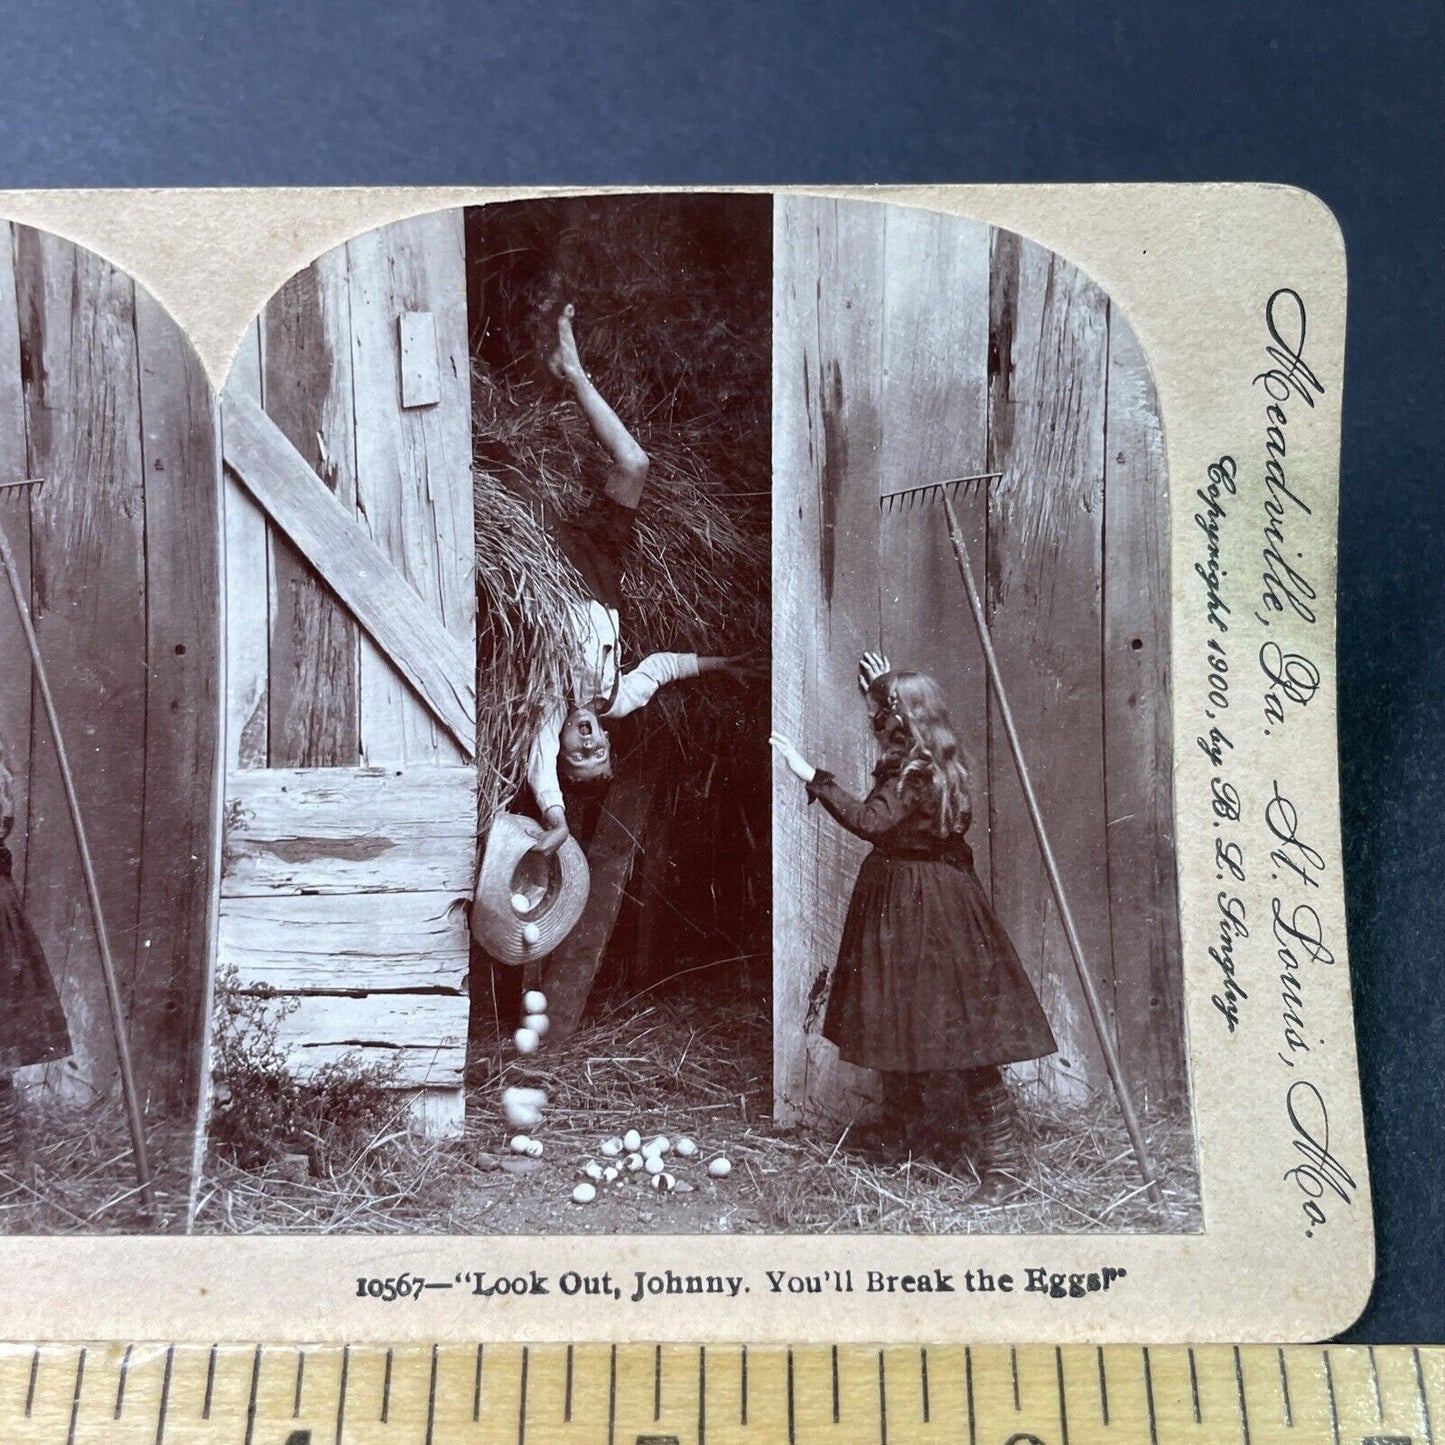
(677, 340)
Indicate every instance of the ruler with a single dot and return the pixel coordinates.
(412, 1394)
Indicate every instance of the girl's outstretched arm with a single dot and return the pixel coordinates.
(871, 817)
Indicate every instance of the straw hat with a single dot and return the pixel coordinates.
(525, 903)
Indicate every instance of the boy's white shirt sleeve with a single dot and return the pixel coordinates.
(542, 761)
(636, 689)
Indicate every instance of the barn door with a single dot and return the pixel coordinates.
(350, 817)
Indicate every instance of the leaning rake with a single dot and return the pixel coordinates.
(925, 495)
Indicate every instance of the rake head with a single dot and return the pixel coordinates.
(906, 499)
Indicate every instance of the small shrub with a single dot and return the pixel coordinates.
(261, 1111)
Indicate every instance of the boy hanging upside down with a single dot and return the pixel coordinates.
(572, 746)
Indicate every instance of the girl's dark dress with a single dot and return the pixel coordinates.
(32, 1026)
(927, 979)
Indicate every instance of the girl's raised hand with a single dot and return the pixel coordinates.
(871, 666)
(797, 764)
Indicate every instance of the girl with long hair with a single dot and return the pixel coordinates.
(928, 989)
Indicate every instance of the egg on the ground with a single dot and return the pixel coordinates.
(612, 1147)
(664, 1182)
(659, 1145)
(653, 1163)
(634, 1162)
(685, 1147)
(534, 1148)
(584, 1193)
(720, 1167)
(632, 1141)
(519, 1143)
(592, 1169)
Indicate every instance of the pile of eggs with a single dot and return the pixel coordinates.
(629, 1154)
(623, 1155)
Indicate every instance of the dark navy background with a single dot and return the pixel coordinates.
(1340, 98)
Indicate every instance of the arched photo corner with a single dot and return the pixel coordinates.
(915, 350)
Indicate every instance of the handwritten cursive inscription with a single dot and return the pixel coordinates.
(1321, 1178)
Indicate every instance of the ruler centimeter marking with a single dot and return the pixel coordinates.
(418, 1394)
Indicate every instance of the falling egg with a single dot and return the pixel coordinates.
(653, 1163)
(521, 903)
(665, 1182)
(584, 1194)
(685, 1147)
(633, 1162)
(520, 1114)
(632, 1141)
(538, 1023)
(592, 1169)
(720, 1167)
(534, 1001)
(534, 1148)
(612, 1147)
(531, 934)
(519, 1143)
(526, 1040)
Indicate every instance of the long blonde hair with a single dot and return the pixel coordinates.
(925, 748)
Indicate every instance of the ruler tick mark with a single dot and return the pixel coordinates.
(745, 1387)
(30, 1392)
(522, 1404)
(882, 1402)
(702, 1395)
(300, 1382)
(1330, 1391)
(210, 1383)
(612, 1397)
(1239, 1386)
(1103, 1385)
(923, 1380)
(567, 1392)
(341, 1392)
(1063, 1406)
(1149, 1398)
(120, 1386)
(1284, 1389)
(1194, 1387)
(386, 1389)
(75, 1398)
(251, 1403)
(1375, 1386)
(836, 1415)
(165, 1394)
(477, 1388)
(431, 1399)
(657, 1383)
(1425, 1421)
(1013, 1364)
(792, 1423)
(968, 1391)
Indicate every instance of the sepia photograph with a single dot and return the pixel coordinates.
(979, 1016)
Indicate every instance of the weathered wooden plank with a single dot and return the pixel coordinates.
(438, 667)
(167, 969)
(414, 477)
(1138, 774)
(349, 830)
(306, 358)
(15, 519)
(568, 974)
(1049, 353)
(935, 426)
(828, 263)
(421, 383)
(77, 328)
(363, 942)
(248, 602)
(421, 1036)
